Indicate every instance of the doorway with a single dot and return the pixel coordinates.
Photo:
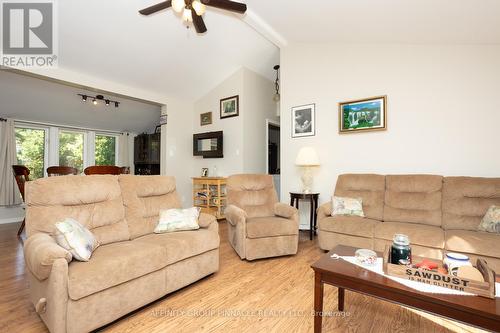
(273, 150)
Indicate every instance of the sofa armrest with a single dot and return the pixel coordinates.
(205, 220)
(235, 215)
(40, 253)
(284, 210)
(325, 210)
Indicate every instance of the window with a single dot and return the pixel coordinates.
(105, 150)
(71, 148)
(30, 149)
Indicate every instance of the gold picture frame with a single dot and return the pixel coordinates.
(363, 115)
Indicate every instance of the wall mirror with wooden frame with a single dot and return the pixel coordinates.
(208, 145)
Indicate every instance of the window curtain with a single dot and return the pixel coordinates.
(9, 193)
(123, 154)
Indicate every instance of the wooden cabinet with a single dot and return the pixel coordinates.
(147, 154)
(209, 193)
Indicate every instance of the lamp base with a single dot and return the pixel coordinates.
(307, 180)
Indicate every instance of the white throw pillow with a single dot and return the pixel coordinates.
(347, 206)
(178, 220)
(76, 238)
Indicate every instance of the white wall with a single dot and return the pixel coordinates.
(244, 136)
(259, 105)
(232, 128)
(443, 113)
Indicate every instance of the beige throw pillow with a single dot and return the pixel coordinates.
(347, 206)
(76, 238)
(491, 221)
(172, 220)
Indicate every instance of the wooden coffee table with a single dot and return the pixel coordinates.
(472, 310)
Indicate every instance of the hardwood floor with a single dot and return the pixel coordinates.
(272, 295)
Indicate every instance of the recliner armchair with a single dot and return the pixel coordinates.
(258, 225)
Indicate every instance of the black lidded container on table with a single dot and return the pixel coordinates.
(400, 250)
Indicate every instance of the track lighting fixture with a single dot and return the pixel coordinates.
(97, 98)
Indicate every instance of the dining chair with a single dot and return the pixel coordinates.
(61, 171)
(22, 175)
(103, 170)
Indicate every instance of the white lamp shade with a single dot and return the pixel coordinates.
(307, 157)
(178, 5)
(198, 7)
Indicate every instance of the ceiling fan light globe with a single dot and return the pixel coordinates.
(178, 5)
(198, 7)
(187, 15)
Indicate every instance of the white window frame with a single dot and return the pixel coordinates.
(85, 144)
(117, 145)
(46, 147)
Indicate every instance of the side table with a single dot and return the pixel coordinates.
(295, 197)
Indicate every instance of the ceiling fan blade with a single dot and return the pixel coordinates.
(156, 8)
(198, 22)
(227, 5)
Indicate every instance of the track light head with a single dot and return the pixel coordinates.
(116, 104)
(107, 102)
(84, 98)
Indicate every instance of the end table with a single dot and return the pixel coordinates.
(313, 199)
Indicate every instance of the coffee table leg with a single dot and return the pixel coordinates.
(318, 302)
(341, 294)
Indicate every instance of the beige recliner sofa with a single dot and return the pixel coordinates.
(131, 268)
(439, 214)
(258, 225)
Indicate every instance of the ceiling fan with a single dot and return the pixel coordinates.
(192, 10)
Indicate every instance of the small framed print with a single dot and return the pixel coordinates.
(369, 114)
(204, 172)
(304, 120)
(230, 107)
(206, 119)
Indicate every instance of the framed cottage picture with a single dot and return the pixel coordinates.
(205, 118)
(304, 120)
(230, 107)
(368, 114)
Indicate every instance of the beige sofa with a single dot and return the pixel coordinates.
(258, 225)
(132, 267)
(439, 214)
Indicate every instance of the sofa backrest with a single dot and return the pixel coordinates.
(369, 187)
(94, 201)
(143, 198)
(255, 194)
(466, 200)
(413, 199)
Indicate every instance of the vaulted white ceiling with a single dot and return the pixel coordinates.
(111, 40)
(383, 21)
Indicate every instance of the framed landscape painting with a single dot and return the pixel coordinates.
(303, 120)
(368, 114)
(229, 107)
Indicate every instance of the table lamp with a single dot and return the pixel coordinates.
(307, 159)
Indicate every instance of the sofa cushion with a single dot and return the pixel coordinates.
(349, 225)
(143, 198)
(259, 227)
(413, 199)
(419, 234)
(255, 194)
(183, 244)
(96, 202)
(368, 187)
(467, 199)
(476, 242)
(113, 264)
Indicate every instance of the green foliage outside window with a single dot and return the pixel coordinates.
(30, 148)
(105, 150)
(71, 150)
